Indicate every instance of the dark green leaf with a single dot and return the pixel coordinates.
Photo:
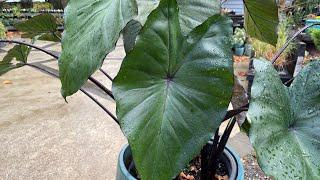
(4, 68)
(43, 24)
(55, 37)
(285, 122)
(261, 20)
(130, 33)
(172, 91)
(92, 29)
(19, 53)
(192, 12)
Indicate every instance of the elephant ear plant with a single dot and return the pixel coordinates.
(173, 91)
(175, 84)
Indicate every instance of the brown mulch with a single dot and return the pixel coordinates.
(192, 172)
(238, 59)
(251, 167)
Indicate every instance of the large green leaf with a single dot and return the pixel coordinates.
(43, 25)
(261, 20)
(192, 14)
(92, 29)
(285, 122)
(172, 91)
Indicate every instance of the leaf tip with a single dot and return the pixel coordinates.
(64, 95)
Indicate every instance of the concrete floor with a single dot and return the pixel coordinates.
(42, 137)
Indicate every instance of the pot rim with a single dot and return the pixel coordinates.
(229, 153)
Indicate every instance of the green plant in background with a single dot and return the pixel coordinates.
(16, 11)
(42, 6)
(239, 37)
(15, 58)
(41, 27)
(3, 31)
(315, 35)
(302, 8)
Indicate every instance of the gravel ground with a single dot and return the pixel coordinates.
(252, 169)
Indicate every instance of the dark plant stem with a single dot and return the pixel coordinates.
(204, 161)
(106, 74)
(30, 45)
(101, 106)
(288, 82)
(276, 57)
(232, 113)
(82, 90)
(218, 151)
(93, 80)
(206, 153)
(101, 86)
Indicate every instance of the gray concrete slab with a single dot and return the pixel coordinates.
(42, 137)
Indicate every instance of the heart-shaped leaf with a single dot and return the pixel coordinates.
(173, 91)
(261, 20)
(92, 29)
(285, 122)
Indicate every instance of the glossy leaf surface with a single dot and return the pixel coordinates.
(285, 122)
(92, 29)
(192, 12)
(261, 20)
(130, 33)
(172, 91)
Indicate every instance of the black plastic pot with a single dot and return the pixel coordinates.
(229, 158)
(291, 64)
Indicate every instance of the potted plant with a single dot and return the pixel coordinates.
(238, 40)
(175, 84)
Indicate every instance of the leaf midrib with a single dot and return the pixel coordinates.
(167, 82)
